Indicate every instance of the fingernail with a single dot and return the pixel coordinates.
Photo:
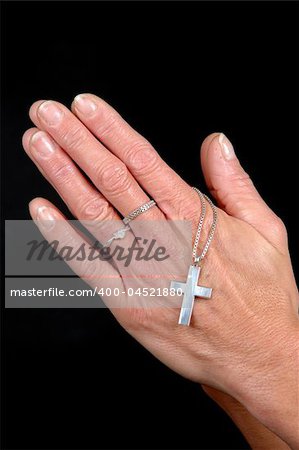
(45, 218)
(50, 113)
(42, 145)
(226, 147)
(85, 105)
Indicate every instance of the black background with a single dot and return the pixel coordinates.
(176, 71)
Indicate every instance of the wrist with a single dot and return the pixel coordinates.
(256, 434)
(271, 392)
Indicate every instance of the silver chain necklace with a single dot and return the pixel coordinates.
(203, 197)
(190, 287)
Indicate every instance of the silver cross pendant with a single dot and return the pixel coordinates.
(190, 290)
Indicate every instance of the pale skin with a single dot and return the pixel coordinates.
(242, 344)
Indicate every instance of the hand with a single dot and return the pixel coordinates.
(244, 340)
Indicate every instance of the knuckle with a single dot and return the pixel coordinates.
(106, 125)
(241, 180)
(142, 157)
(113, 177)
(94, 209)
(74, 137)
(279, 227)
(63, 173)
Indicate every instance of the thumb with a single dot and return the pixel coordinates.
(234, 191)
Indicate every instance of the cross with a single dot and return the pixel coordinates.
(190, 290)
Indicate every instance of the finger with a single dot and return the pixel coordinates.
(54, 227)
(83, 200)
(151, 172)
(234, 191)
(107, 172)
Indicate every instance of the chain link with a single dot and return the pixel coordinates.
(200, 223)
(203, 197)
